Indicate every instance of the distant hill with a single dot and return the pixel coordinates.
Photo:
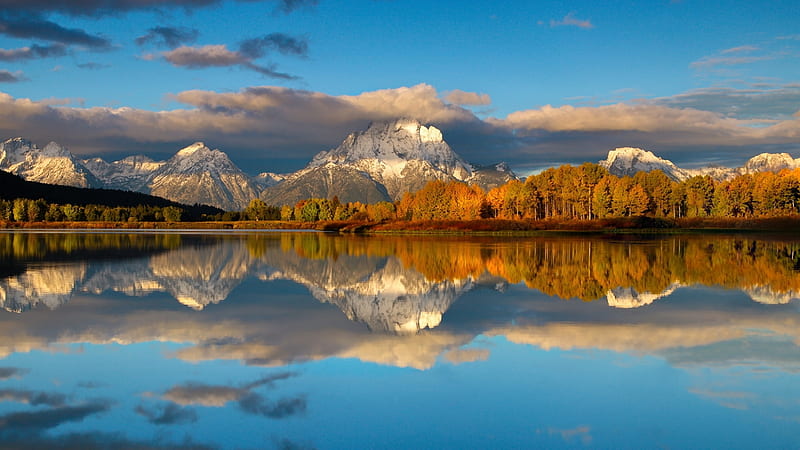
(12, 187)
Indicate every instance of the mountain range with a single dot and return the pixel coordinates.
(626, 161)
(377, 164)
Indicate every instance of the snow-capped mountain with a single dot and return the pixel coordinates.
(197, 174)
(629, 297)
(267, 179)
(50, 286)
(52, 164)
(491, 176)
(397, 156)
(131, 173)
(626, 161)
(770, 162)
(380, 292)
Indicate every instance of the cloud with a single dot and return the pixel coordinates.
(216, 395)
(204, 395)
(220, 56)
(168, 37)
(253, 403)
(93, 66)
(32, 397)
(94, 440)
(104, 7)
(728, 399)
(582, 433)
(283, 43)
(572, 21)
(17, 422)
(168, 414)
(708, 62)
(463, 98)
(770, 103)
(34, 26)
(740, 49)
(11, 372)
(11, 77)
(620, 117)
(288, 6)
(464, 355)
(275, 128)
(248, 401)
(33, 52)
(205, 56)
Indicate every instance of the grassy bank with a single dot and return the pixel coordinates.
(485, 226)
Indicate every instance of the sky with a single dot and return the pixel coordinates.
(273, 82)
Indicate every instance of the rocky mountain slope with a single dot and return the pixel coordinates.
(197, 174)
(52, 164)
(131, 173)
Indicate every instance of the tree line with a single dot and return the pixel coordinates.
(582, 192)
(573, 268)
(28, 210)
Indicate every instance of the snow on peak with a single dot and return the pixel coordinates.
(770, 162)
(394, 143)
(629, 297)
(416, 129)
(186, 151)
(626, 161)
(629, 155)
(53, 164)
(54, 149)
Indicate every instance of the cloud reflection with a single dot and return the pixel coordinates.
(248, 400)
(11, 372)
(167, 414)
(34, 421)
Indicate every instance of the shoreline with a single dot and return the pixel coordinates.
(637, 225)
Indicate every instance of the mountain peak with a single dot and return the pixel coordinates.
(626, 161)
(186, 151)
(770, 162)
(411, 126)
(53, 164)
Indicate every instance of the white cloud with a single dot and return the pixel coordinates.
(572, 21)
(459, 97)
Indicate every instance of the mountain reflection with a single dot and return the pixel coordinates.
(396, 299)
(390, 284)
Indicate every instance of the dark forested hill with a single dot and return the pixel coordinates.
(12, 187)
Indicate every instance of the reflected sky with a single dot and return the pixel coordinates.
(308, 340)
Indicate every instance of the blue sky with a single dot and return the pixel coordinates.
(272, 82)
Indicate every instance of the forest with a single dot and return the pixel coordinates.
(573, 267)
(582, 192)
(566, 193)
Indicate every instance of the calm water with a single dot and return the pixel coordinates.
(306, 340)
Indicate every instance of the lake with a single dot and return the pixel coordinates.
(311, 340)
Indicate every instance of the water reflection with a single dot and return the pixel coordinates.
(281, 303)
(391, 284)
